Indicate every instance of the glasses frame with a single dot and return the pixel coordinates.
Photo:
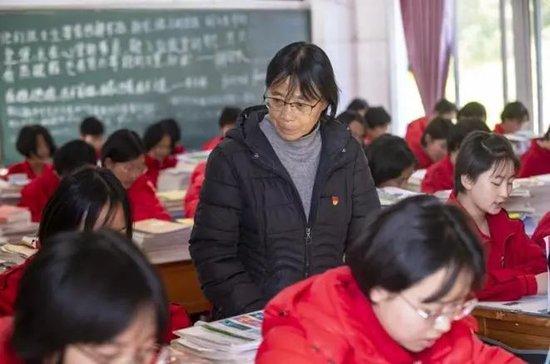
(465, 309)
(292, 105)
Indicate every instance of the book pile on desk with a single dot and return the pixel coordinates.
(391, 195)
(154, 236)
(172, 202)
(15, 223)
(10, 193)
(231, 340)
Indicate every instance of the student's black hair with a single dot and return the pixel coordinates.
(73, 155)
(377, 116)
(123, 145)
(472, 110)
(84, 287)
(547, 135)
(92, 126)
(347, 117)
(479, 152)
(229, 116)
(438, 128)
(410, 241)
(388, 157)
(173, 128)
(462, 128)
(358, 104)
(154, 134)
(78, 201)
(514, 110)
(309, 69)
(26, 140)
(444, 106)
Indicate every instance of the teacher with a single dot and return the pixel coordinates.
(286, 191)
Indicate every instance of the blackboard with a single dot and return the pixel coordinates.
(133, 67)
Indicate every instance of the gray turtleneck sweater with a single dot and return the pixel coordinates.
(300, 158)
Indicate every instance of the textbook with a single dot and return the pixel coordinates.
(159, 235)
(391, 195)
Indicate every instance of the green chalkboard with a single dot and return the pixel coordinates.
(133, 67)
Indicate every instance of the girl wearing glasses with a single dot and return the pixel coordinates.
(285, 192)
(404, 297)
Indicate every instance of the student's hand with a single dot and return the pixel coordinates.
(542, 283)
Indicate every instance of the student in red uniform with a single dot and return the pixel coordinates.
(92, 132)
(536, 160)
(542, 231)
(227, 121)
(433, 144)
(158, 145)
(473, 110)
(358, 105)
(484, 171)
(70, 157)
(377, 122)
(355, 123)
(404, 298)
(37, 146)
(391, 162)
(440, 175)
(175, 132)
(443, 109)
(514, 115)
(123, 153)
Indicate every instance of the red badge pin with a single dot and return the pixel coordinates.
(335, 200)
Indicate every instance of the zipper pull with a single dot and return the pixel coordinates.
(308, 235)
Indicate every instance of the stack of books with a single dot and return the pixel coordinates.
(172, 202)
(15, 223)
(157, 236)
(10, 193)
(178, 178)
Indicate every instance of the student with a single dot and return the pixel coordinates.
(536, 160)
(355, 123)
(391, 162)
(484, 171)
(433, 144)
(514, 115)
(415, 130)
(472, 110)
(37, 146)
(158, 146)
(377, 121)
(123, 153)
(90, 297)
(92, 132)
(66, 160)
(403, 298)
(542, 231)
(227, 121)
(440, 175)
(175, 132)
(358, 105)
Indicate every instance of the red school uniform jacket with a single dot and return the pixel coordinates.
(535, 161)
(499, 129)
(192, 196)
(512, 259)
(7, 353)
(327, 319)
(154, 166)
(415, 129)
(25, 168)
(423, 161)
(212, 143)
(144, 201)
(542, 231)
(37, 193)
(439, 176)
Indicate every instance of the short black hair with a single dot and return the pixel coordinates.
(92, 126)
(462, 128)
(154, 134)
(73, 155)
(514, 110)
(123, 145)
(229, 116)
(412, 240)
(377, 116)
(472, 110)
(26, 140)
(347, 117)
(84, 287)
(79, 199)
(478, 153)
(388, 157)
(358, 104)
(444, 106)
(308, 67)
(438, 128)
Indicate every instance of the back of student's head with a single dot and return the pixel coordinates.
(73, 155)
(462, 128)
(229, 116)
(444, 107)
(515, 111)
(123, 145)
(480, 152)
(412, 240)
(438, 128)
(347, 117)
(377, 116)
(88, 199)
(91, 126)
(388, 156)
(173, 128)
(358, 105)
(86, 288)
(472, 110)
(27, 140)
(154, 134)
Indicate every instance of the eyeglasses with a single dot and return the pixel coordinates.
(143, 356)
(455, 313)
(277, 104)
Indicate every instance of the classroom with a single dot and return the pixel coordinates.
(270, 181)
